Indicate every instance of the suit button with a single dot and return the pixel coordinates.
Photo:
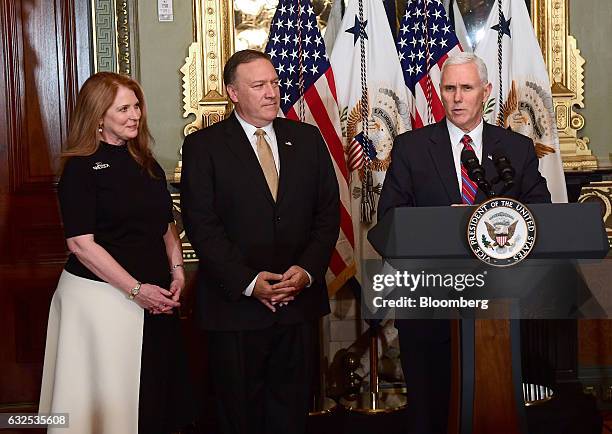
(278, 219)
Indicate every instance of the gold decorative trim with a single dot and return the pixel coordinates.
(188, 252)
(600, 192)
(204, 95)
(123, 37)
(566, 71)
(104, 35)
(114, 33)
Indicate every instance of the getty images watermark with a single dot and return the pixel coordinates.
(387, 284)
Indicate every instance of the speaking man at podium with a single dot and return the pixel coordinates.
(430, 167)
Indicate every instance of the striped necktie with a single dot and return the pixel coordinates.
(468, 187)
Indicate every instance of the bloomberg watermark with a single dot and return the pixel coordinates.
(453, 289)
(386, 283)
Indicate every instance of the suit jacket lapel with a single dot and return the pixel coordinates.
(239, 144)
(442, 156)
(490, 142)
(286, 155)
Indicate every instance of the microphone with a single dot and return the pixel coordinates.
(476, 172)
(505, 171)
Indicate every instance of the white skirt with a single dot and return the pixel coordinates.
(92, 358)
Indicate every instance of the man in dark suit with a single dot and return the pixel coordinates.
(260, 206)
(426, 171)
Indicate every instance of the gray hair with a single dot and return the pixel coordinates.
(463, 58)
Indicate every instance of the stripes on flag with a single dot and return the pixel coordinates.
(355, 155)
(308, 94)
(355, 152)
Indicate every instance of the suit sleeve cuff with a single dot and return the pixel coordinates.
(249, 289)
(310, 279)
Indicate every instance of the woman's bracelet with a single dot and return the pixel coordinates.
(135, 291)
(175, 266)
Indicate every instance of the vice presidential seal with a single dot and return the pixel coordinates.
(501, 232)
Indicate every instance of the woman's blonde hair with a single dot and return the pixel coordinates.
(94, 99)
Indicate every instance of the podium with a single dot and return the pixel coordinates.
(486, 390)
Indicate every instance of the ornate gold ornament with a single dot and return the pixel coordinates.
(600, 192)
(204, 95)
(565, 69)
(123, 38)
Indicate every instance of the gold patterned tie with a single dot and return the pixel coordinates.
(266, 160)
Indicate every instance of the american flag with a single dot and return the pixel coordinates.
(426, 39)
(308, 93)
(355, 151)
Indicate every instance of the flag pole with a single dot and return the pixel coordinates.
(374, 401)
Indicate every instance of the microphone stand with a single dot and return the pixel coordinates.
(476, 172)
(505, 172)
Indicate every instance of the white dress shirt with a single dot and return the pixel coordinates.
(249, 130)
(456, 134)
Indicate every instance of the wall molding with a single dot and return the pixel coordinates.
(114, 33)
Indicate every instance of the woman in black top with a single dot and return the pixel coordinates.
(114, 357)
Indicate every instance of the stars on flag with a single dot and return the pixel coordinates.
(295, 44)
(358, 30)
(425, 37)
(503, 26)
